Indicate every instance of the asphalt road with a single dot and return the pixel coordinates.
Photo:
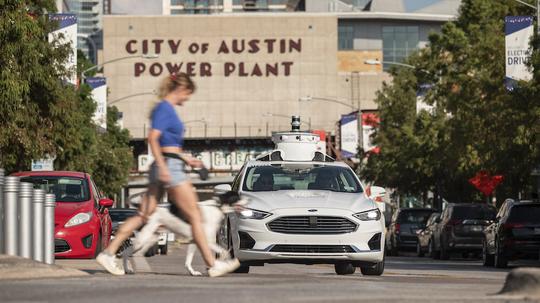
(406, 279)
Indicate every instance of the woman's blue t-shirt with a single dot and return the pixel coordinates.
(165, 119)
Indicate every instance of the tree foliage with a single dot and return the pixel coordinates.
(476, 125)
(41, 115)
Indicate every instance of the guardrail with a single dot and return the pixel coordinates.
(26, 220)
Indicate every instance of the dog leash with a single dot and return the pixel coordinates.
(202, 172)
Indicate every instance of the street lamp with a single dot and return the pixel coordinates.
(146, 56)
(130, 96)
(377, 62)
(288, 117)
(310, 98)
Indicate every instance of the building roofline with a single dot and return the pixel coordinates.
(397, 16)
(339, 15)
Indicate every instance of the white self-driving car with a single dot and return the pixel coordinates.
(304, 208)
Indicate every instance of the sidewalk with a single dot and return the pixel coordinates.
(12, 268)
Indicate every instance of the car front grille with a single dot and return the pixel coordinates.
(316, 225)
(61, 246)
(312, 249)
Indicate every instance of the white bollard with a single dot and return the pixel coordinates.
(26, 192)
(1, 211)
(48, 247)
(11, 224)
(38, 225)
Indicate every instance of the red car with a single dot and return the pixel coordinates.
(81, 217)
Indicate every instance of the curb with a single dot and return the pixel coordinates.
(522, 281)
(17, 268)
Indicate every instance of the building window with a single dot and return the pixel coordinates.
(176, 2)
(345, 37)
(399, 42)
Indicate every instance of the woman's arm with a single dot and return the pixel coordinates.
(153, 140)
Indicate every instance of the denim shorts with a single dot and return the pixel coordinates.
(176, 170)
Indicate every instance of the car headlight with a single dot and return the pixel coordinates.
(249, 213)
(370, 215)
(78, 219)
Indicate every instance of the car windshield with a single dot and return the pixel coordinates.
(414, 217)
(121, 215)
(301, 177)
(66, 189)
(525, 214)
(473, 212)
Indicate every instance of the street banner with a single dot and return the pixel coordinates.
(99, 93)
(67, 33)
(349, 133)
(519, 30)
(369, 123)
(486, 183)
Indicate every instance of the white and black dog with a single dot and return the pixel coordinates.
(212, 212)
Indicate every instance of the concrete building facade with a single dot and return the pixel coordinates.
(254, 70)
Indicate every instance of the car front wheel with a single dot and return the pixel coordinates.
(344, 268)
(487, 258)
(374, 270)
(243, 269)
(500, 259)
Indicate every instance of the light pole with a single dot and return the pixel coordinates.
(288, 117)
(537, 8)
(147, 56)
(131, 96)
(310, 98)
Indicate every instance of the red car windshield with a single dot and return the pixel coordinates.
(66, 189)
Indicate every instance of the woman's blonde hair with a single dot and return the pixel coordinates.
(174, 81)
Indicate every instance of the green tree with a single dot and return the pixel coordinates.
(41, 115)
(477, 124)
(34, 103)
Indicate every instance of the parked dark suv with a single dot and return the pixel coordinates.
(461, 229)
(514, 234)
(403, 227)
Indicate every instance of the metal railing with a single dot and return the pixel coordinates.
(26, 220)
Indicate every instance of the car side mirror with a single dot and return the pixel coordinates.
(222, 188)
(106, 203)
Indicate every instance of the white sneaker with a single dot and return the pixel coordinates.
(221, 268)
(110, 264)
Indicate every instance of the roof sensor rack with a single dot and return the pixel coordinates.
(320, 157)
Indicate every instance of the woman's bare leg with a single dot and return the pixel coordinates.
(148, 204)
(186, 199)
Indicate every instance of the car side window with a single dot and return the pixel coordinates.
(95, 193)
(237, 180)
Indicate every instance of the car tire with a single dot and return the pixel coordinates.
(151, 252)
(500, 260)
(163, 249)
(243, 269)
(99, 247)
(487, 259)
(419, 251)
(374, 270)
(435, 254)
(444, 253)
(344, 268)
(393, 249)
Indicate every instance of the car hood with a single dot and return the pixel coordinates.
(270, 201)
(66, 210)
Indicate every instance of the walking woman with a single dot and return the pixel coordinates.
(167, 172)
